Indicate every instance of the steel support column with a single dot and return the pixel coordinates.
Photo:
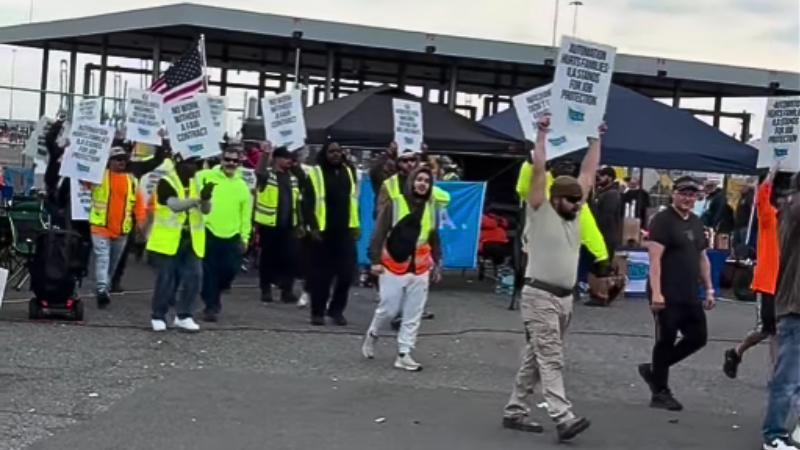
(426, 93)
(676, 95)
(43, 83)
(452, 92)
(402, 75)
(329, 74)
(101, 88)
(73, 70)
(337, 78)
(284, 65)
(717, 111)
(156, 60)
(223, 77)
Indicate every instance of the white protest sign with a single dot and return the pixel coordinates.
(80, 200)
(143, 116)
(408, 132)
(150, 180)
(780, 134)
(219, 111)
(284, 122)
(530, 107)
(86, 157)
(87, 110)
(35, 146)
(3, 282)
(580, 86)
(191, 128)
(249, 176)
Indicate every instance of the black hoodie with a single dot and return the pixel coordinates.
(338, 187)
(384, 225)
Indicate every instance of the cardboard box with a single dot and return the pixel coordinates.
(631, 232)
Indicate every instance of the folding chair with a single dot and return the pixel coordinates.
(26, 219)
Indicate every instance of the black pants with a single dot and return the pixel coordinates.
(277, 259)
(220, 265)
(333, 263)
(690, 319)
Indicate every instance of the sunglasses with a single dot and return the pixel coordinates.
(231, 160)
(406, 161)
(574, 200)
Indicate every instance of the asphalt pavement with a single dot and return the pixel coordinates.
(264, 378)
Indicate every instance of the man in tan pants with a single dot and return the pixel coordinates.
(553, 238)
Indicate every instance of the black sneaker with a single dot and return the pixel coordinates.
(266, 296)
(665, 400)
(318, 321)
(522, 423)
(209, 316)
(646, 372)
(288, 297)
(116, 288)
(103, 300)
(338, 319)
(568, 430)
(731, 364)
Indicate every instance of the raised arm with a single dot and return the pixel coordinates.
(591, 161)
(537, 192)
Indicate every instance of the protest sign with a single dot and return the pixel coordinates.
(86, 157)
(581, 85)
(87, 110)
(780, 134)
(191, 128)
(284, 123)
(150, 180)
(219, 111)
(35, 146)
(408, 132)
(80, 200)
(249, 176)
(530, 107)
(143, 116)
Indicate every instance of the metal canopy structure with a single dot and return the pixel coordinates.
(341, 58)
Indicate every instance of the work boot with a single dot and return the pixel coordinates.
(318, 321)
(116, 287)
(288, 297)
(522, 423)
(665, 400)
(103, 300)
(209, 316)
(266, 296)
(338, 319)
(569, 429)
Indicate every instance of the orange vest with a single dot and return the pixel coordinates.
(423, 261)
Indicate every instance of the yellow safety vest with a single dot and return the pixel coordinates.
(400, 210)
(165, 236)
(440, 196)
(318, 183)
(100, 194)
(591, 236)
(267, 201)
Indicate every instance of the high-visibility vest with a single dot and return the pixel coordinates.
(591, 236)
(165, 235)
(392, 184)
(422, 255)
(100, 194)
(267, 201)
(318, 183)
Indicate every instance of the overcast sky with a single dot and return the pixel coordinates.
(754, 33)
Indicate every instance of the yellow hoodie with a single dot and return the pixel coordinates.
(590, 234)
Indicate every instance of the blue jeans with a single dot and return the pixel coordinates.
(221, 263)
(107, 253)
(785, 384)
(184, 268)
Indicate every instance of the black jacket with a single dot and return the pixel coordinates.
(337, 195)
(607, 211)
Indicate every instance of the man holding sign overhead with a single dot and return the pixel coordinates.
(553, 239)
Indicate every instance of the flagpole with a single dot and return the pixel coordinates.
(205, 61)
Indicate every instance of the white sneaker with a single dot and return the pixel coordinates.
(406, 362)
(303, 301)
(158, 325)
(187, 324)
(368, 349)
(780, 444)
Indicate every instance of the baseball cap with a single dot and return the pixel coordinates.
(685, 183)
(116, 152)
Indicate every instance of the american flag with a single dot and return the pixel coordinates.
(184, 78)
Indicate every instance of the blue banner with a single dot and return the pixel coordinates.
(459, 226)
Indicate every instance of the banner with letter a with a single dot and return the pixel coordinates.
(459, 223)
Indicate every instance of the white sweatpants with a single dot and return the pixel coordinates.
(406, 294)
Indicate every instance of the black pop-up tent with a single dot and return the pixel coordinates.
(646, 133)
(365, 119)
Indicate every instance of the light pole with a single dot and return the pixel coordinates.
(30, 12)
(11, 92)
(555, 25)
(577, 4)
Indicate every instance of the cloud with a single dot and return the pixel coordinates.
(768, 7)
(786, 36)
(675, 7)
